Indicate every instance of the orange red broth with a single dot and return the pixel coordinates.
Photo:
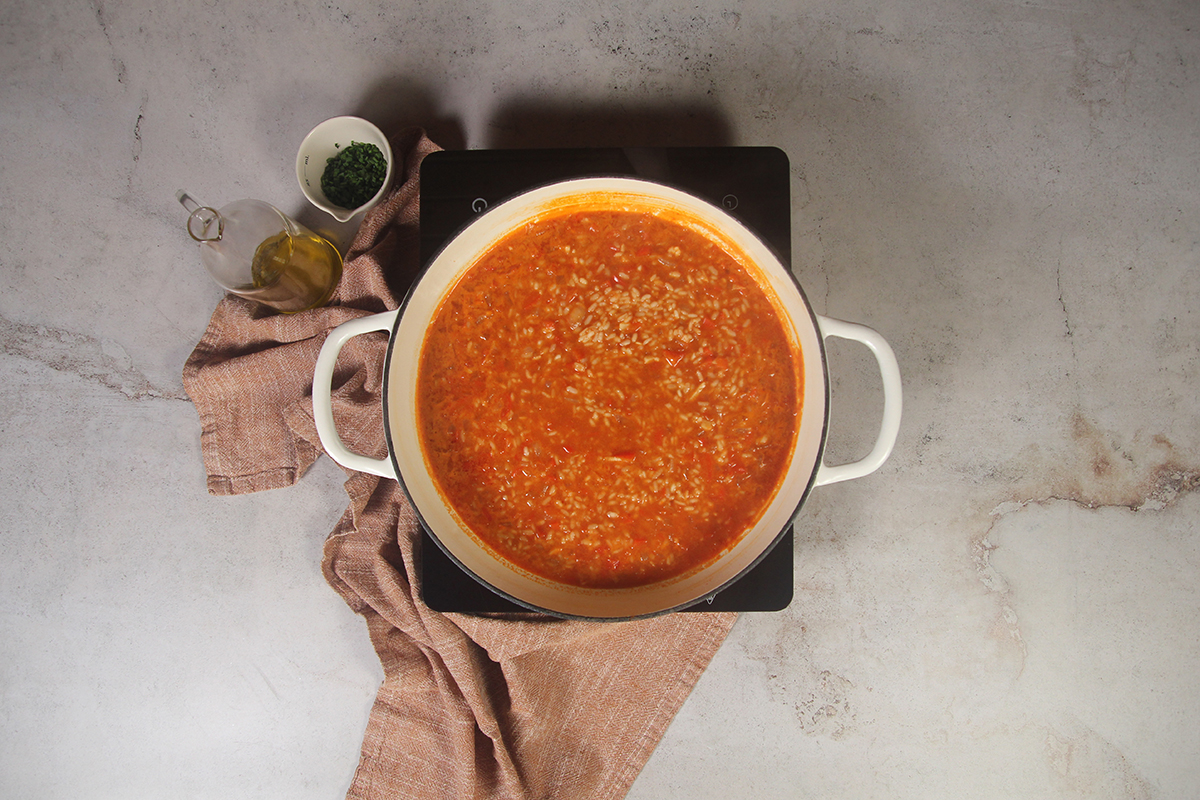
(608, 399)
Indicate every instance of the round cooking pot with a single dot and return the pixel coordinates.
(406, 464)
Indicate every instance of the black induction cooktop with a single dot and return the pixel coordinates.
(751, 183)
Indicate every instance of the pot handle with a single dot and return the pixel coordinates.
(322, 394)
(889, 370)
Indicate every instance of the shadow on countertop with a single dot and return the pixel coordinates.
(396, 103)
(529, 124)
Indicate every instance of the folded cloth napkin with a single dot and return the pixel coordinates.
(520, 706)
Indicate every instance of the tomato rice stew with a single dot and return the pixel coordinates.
(608, 398)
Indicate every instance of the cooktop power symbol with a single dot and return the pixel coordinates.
(479, 205)
(730, 202)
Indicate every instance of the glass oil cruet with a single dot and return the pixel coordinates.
(254, 250)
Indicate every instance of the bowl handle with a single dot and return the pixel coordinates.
(889, 370)
(322, 389)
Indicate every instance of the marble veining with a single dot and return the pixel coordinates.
(100, 361)
(1009, 193)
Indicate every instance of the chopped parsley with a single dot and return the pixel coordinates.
(354, 175)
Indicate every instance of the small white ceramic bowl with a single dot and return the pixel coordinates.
(323, 143)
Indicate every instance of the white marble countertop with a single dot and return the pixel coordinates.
(1009, 192)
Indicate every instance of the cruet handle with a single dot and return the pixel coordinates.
(204, 215)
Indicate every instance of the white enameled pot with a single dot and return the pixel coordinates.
(406, 464)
